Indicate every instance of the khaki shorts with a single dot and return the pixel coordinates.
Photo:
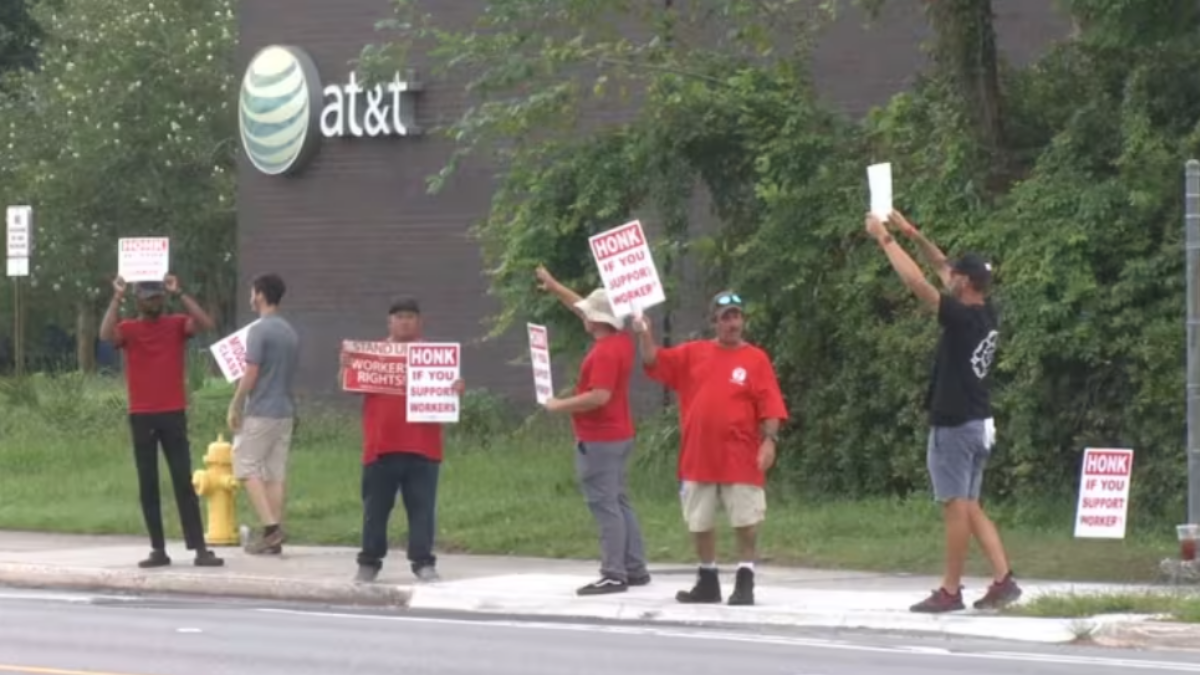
(260, 449)
(746, 505)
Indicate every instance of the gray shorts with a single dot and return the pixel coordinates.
(956, 457)
(261, 448)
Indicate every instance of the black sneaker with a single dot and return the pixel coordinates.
(366, 574)
(604, 586)
(639, 580)
(939, 602)
(208, 559)
(1000, 594)
(706, 590)
(156, 559)
(743, 589)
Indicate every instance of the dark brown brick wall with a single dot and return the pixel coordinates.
(357, 227)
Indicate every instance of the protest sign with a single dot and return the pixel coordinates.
(879, 181)
(230, 354)
(143, 258)
(627, 268)
(1104, 493)
(433, 368)
(375, 367)
(539, 354)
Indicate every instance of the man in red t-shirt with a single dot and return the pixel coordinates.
(398, 457)
(604, 437)
(730, 408)
(155, 346)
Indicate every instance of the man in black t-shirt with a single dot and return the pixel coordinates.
(961, 431)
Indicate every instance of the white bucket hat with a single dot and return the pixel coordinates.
(596, 308)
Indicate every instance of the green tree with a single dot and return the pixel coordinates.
(125, 129)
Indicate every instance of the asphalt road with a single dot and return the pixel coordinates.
(53, 634)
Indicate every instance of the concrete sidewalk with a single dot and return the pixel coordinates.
(525, 586)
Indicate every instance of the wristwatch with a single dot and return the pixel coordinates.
(771, 435)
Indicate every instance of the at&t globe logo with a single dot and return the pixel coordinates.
(279, 109)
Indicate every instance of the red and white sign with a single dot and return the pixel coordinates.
(433, 368)
(375, 367)
(1104, 493)
(627, 268)
(539, 355)
(230, 354)
(143, 258)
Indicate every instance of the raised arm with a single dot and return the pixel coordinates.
(910, 273)
(649, 350)
(200, 321)
(934, 257)
(108, 325)
(566, 296)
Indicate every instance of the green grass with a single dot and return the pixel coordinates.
(507, 488)
(1178, 606)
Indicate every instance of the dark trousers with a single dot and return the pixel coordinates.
(416, 479)
(168, 429)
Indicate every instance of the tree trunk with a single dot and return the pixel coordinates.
(965, 52)
(85, 336)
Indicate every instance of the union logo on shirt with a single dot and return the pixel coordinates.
(738, 376)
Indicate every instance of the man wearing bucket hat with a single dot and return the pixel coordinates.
(604, 433)
(155, 347)
(730, 409)
(961, 432)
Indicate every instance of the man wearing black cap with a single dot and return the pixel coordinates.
(155, 373)
(399, 457)
(961, 432)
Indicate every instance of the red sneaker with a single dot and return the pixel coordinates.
(940, 601)
(1000, 594)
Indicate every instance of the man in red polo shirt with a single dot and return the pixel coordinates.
(730, 409)
(398, 456)
(155, 345)
(604, 437)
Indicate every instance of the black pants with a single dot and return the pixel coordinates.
(416, 478)
(170, 430)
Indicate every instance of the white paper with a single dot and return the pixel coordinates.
(1103, 506)
(143, 258)
(230, 353)
(879, 179)
(539, 356)
(627, 268)
(433, 368)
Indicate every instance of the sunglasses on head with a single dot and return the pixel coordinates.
(729, 299)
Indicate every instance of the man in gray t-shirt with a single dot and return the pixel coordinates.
(263, 411)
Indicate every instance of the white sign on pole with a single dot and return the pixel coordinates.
(433, 368)
(143, 258)
(879, 180)
(1104, 493)
(19, 239)
(627, 268)
(230, 353)
(18, 267)
(539, 354)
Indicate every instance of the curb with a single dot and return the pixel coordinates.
(1150, 634)
(206, 585)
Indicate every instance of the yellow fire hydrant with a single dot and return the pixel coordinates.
(217, 484)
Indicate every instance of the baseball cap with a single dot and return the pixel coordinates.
(149, 289)
(597, 309)
(975, 268)
(403, 305)
(724, 301)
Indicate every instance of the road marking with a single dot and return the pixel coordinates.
(188, 630)
(1169, 666)
(34, 670)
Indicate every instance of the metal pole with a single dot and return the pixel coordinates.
(1191, 222)
(18, 329)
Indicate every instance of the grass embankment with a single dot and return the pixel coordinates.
(66, 466)
(1178, 606)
